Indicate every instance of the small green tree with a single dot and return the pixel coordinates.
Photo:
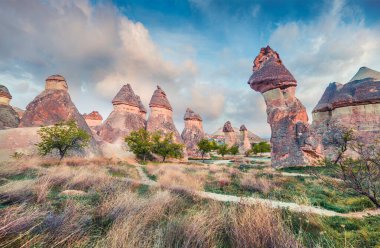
(63, 136)
(261, 147)
(234, 150)
(140, 143)
(205, 146)
(165, 146)
(222, 149)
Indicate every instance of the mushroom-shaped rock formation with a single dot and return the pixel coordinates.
(229, 134)
(192, 133)
(161, 115)
(286, 114)
(244, 145)
(93, 119)
(141, 108)
(8, 116)
(124, 118)
(54, 105)
(354, 105)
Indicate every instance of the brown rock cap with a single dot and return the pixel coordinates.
(126, 96)
(190, 115)
(94, 115)
(364, 89)
(159, 99)
(269, 72)
(141, 105)
(228, 127)
(4, 92)
(57, 79)
(243, 128)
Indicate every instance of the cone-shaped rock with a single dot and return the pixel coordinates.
(124, 118)
(8, 116)
(244, 145)
(161, 115)
(192, 133)
(286, 114)
(141, 108)
(354, 105)
(229, 134)
(93, 119)
(54, 105)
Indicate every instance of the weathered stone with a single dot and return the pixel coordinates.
(286, 114)
(354, 105)
(161, 115)
(93, 119)
(142, 108)
(229, 134)
(125, 117)
(244, 145)
(219, 135)
(8, 116)
(54, 105)
(19, 111)
(192, 133)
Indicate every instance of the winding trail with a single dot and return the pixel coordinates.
(270, 203)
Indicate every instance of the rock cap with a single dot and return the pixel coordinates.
(191, 115)
(228, 127)
(365, 72)
(159, 99)
(269, 73)
(141, 105)
(56, 82)
(4, 92)
(126, 96)
(94, 115)
(243, 128)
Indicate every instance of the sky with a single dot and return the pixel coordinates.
(199, 51)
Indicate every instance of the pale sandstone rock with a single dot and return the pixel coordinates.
(230, 138)
(286, 115)
(93, 119)
(244, 145)
(125, 117)
(8, 116)
(192, 133)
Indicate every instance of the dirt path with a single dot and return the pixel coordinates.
(271, 203)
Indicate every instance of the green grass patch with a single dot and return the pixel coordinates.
(24, 175)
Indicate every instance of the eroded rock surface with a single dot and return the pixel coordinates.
(161, 115)
(230, 138)
(125, 117)
(192, 133)
(93, 119)
(354, 105)
(8, 116)
(244, 145)
(290, 138)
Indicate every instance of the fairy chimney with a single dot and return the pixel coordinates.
(192, 133)
(245, 145)
(141, 108)
(8, 116)
(229, 134)
(93, 119)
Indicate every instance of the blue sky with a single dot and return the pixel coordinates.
(199, 51)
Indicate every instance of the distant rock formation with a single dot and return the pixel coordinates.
(93, 119)
(354, 105)
(219, 135)
(286, 114)
(8, 116)
(161, 115)
(229, 134)
(125, 117)
(192, 133)
(244, 145)
(54, 105)
(19, 111)
(141, 108)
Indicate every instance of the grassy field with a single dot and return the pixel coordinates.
(90, 203)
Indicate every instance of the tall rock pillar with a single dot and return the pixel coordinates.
(285, 113)
(244, 145)
(229, 134)
(8, 116)
(192, 133)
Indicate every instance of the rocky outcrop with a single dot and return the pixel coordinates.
(141, 108)
(229, 134)
(244, 145)
(290, 138)
(354, 105)
(8, 116)
(54, 105)
(219, 135)
(161, 115)
(19, 111)
(192, 133)
(93, 119)
(125, 117)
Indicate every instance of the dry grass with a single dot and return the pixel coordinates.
(251, 182)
